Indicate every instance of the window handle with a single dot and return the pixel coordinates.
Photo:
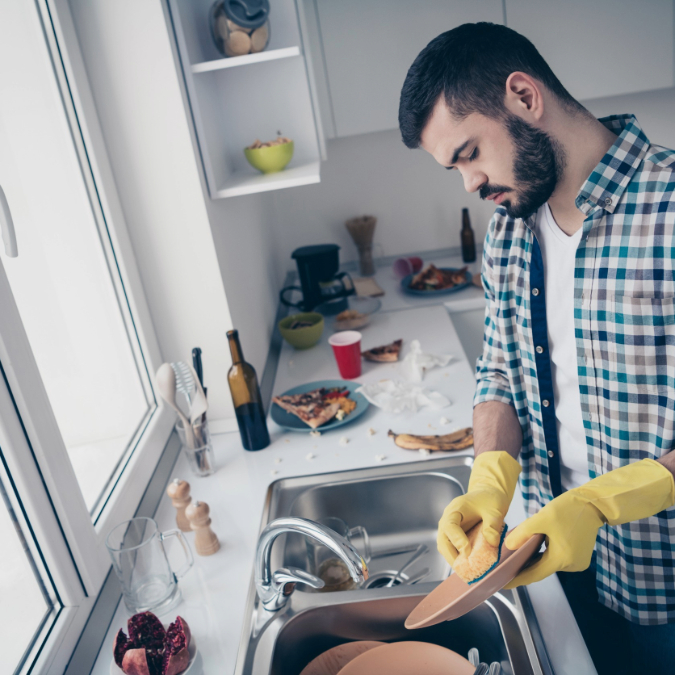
(7, 227)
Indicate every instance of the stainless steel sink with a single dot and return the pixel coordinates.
(398, 505)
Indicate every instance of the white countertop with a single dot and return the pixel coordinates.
(215, 590)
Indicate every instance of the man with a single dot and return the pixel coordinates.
(577, 376)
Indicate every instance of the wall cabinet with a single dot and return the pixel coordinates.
(370, 44)
(597, 48)
(601, 48)
(236, 100)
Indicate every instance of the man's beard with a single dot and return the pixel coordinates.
(537, 168)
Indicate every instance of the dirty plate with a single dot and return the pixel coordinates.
(405, 284)
(292, 423)
(404, 658)
(334, 660)
(454, 597)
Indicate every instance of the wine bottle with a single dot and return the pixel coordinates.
(246, 398)
(468, 242)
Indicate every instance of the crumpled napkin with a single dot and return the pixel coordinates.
(394, 396)
(416, 362)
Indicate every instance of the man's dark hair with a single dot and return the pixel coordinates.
(469, 66)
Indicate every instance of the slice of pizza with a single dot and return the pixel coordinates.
(310, 407)
(384, 353)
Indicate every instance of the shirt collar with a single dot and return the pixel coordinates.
(607, 182)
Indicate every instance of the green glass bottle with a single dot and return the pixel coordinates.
(246, 397)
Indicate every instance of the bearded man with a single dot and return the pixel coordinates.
(576, 384)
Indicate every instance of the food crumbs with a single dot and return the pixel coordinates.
(443, 421)
(278, 460)
(380, 458)
(315, 434)
(274, 472)
(371, 432)
(310, 455)
(344, 440)
(425, 452)
(287, 440)
(340, 415)
(431, 427)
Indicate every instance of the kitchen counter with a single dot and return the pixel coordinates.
(215, 590)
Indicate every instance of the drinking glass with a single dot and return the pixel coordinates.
(200, 458)
(326, 565)
(139, 559)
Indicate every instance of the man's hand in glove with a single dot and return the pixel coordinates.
(571, 521)
(491, 486)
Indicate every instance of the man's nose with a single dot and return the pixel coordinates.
(473, 180)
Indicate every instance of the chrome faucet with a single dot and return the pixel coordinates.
(275, 588)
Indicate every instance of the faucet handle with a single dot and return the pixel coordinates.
(286, 576)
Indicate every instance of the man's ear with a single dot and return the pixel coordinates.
(523, 96)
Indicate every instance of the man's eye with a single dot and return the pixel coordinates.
(474, 154)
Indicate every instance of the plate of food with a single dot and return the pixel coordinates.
(434, 280)
(358, 313)
(319, 406)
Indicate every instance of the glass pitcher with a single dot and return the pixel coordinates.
(136, 547)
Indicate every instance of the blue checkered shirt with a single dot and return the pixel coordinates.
(624, 321)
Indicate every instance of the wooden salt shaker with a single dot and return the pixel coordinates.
(179, 492)
(206, 542)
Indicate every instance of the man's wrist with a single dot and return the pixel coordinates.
(668, 460)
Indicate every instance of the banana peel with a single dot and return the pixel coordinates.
(458, 440)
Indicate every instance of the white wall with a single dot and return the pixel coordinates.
(417, 202)
(131, 69)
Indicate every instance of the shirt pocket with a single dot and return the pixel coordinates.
(641, 344)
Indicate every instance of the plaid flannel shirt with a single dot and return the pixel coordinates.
(624, 321)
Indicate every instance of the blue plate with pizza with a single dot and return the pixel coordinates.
(319, 406)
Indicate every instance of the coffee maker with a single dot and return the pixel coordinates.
(320, 281)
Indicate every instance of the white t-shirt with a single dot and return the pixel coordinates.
(558, 253)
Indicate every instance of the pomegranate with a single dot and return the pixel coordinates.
(176, 657)
(151, 650)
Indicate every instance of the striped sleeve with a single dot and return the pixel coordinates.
(492, 382)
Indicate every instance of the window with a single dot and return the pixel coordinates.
(81, 429)
(28, 602)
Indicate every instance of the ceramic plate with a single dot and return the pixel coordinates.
(405, 284)
(334, 660)
(404, 658)
(292, 423)
(194, 666)
(454, 598)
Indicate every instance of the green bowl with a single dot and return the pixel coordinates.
(302, 338)
(270, 160)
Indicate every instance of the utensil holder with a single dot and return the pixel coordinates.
(366, 263)
(200, 459)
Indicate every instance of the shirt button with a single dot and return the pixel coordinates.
(545, 403)
(608, 202)
(535, 292)
(585, 358)
(550, 453)
(539, 349)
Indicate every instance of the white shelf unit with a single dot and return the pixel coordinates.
(236, 100)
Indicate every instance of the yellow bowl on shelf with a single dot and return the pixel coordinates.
(271, 159)
(302, 338)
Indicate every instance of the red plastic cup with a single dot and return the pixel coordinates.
(347, 349)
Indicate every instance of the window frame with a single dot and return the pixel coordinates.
(70, 541)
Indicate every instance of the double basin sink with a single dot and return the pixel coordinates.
(399, 507)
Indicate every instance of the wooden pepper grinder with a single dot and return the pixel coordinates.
(206, 542)
(179, 492)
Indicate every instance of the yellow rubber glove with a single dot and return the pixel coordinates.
(493, 481)
(571, 521)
